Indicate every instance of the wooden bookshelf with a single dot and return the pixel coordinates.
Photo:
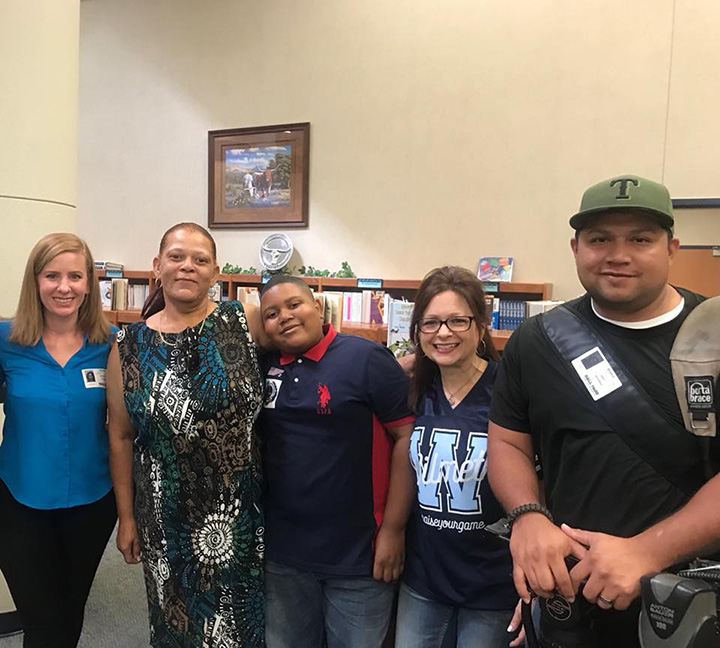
(500, 339)
(376, 332)
(120, 317)
(530, 289)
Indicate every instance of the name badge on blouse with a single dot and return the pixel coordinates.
(596, 373)
(272, 389)
(93, 378)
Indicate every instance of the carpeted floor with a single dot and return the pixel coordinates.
(116, 612)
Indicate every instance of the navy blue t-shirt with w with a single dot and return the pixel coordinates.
(326, 452)
(450, 559)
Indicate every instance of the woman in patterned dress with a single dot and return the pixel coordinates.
(184, 390)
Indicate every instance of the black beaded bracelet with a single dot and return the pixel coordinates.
(528, 508)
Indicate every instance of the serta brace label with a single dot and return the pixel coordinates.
(699, 391)
(695, 361)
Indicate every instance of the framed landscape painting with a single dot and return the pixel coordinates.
(259, 177)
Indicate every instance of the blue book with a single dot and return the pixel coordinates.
(496, 313)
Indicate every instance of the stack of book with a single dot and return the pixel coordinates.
(109, 269)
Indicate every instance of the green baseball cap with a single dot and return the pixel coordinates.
(627, 192)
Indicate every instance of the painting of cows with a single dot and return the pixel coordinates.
(258, 177)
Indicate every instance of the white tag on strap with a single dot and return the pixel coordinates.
(596, 373)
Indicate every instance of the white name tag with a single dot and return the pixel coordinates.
(93, 378)
(596, 373)
(272, 389)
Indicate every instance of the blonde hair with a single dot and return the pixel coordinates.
(29, 323)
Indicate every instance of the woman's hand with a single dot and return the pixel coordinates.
(128, 541)
(515, 623)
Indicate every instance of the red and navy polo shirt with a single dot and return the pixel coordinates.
(326, 452)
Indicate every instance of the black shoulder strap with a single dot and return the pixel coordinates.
(629, 410)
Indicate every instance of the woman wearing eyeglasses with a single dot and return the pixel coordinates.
(184, 390)
(457, 585)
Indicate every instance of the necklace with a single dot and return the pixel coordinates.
(164, 321)
(452, 395)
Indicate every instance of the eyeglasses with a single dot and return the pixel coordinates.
(456, 324)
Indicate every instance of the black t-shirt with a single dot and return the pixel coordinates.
(593, 479)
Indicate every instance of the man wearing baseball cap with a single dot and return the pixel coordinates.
(588, 387)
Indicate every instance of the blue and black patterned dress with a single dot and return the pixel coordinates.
(193, 400)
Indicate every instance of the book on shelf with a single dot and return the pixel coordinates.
(119, 294)
(119, 291)
(320, 301)
(333, 308)
(495, 269)
(493, 306)
(330, 308)
(511, 313)
(106, 293)
(137, 294)
(399, 314)
(541, 306)
(374, 306)
(352, 307)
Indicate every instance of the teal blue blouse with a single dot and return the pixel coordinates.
(54, 452)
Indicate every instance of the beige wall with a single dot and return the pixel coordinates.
(440, 131)
(38, 130)
(693, 155)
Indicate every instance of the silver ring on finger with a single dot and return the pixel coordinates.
(603, 602)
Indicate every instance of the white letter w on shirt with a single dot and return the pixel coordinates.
(441, 465)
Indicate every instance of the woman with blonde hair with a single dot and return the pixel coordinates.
(56, 502)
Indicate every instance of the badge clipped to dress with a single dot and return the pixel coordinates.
(93, 378)
(596, 373)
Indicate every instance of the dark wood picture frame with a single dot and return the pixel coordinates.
(259, 177)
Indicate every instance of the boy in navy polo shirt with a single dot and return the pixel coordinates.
(338, 491)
